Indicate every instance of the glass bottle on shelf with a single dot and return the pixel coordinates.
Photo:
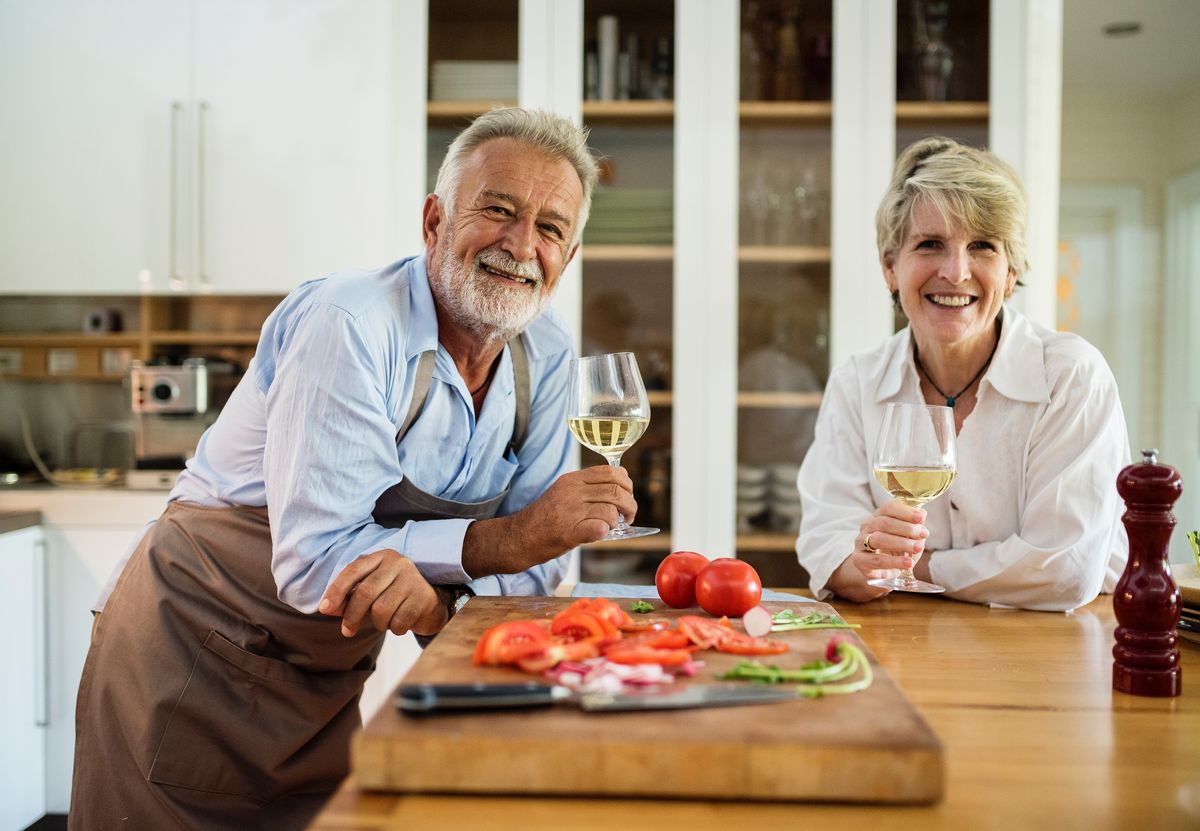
(788, 80)
(751, 55)
(935, 56)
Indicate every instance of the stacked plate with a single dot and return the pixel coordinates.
(630, 216)
(473, 81)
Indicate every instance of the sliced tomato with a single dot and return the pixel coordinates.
(639, 625)
(556, 653)
(658, 639)
(705, 632)
(505, 643)
(579, 624)
(605, 609)
(634, 654)
(740, 644)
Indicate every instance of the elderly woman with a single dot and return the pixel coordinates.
(1033, 518)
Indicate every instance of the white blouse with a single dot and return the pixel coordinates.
(1033, 517)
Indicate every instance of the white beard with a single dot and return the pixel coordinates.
(481, 304)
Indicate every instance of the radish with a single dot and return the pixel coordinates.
(757, 622)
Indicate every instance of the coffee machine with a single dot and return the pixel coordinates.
(171, 404)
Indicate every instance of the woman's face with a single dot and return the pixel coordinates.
(952, 281)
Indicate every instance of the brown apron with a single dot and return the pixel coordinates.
(208, 703)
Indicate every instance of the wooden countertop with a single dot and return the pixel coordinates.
(1035, 737)
(18, 520)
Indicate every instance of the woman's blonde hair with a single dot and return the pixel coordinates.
(971, 186)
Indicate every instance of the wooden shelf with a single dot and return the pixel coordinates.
(785, 254)
(766, 542)
(621, 112)
(627, 253)
(785, 112)
(907, 111)
(70, 339)
(186, 338)
(453, 113)
(779, 400)
(660, 398)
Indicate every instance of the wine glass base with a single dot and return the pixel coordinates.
(899, 584)
(630, 532)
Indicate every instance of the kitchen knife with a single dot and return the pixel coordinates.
(426, 698)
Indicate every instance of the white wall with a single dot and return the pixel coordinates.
(1143, 142)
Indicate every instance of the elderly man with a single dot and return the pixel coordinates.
(397, 443)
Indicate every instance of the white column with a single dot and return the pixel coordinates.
(550, 49)
(550, 77)
(704, 419)
(410, 73)
(864, 150)
(1025, 91)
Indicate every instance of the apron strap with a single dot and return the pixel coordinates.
(521, 384)
(420, 391)
(520, 362)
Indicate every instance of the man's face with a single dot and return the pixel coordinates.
(494, 264)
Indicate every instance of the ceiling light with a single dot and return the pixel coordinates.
(1122, 29)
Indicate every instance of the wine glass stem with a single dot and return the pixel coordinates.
(615, 462)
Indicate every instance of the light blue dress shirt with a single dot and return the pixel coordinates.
(310, 432)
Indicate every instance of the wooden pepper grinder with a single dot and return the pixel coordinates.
(1146, 600)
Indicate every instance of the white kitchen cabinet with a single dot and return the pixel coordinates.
(23, 694)
(87, 91)
(233, 146)
(80, 559)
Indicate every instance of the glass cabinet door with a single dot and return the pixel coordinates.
(941, 74)
(628, 248)
(783, 269)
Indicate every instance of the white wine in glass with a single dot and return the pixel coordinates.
(607, 411)
(915, 461)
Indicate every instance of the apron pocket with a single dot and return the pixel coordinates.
(256, 727)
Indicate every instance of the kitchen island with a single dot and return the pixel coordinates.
(1034, 737)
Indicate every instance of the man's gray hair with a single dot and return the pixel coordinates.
(554, 135)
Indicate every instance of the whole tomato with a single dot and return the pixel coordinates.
(728, 587)
(676, 578)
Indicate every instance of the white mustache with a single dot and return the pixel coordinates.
(498, 260)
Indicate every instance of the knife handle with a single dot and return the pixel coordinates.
(425, 698)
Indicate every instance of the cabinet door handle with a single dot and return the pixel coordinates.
(201, 195)
(176, 279)
(41, 635)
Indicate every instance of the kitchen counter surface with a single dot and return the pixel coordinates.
(1035, 737)
(115, 507)
(18, 520)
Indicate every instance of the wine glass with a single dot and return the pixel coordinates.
(607, 411)
(915, 461)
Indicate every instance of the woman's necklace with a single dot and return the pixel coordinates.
(952, 399)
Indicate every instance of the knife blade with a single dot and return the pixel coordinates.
(428, 698)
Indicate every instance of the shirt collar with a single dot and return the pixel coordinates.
(1018, 370)
(422, 322)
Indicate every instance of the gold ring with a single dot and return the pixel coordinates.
(867, 542)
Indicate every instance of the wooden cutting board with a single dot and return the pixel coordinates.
(871, 746)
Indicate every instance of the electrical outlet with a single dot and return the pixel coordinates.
(11, 361)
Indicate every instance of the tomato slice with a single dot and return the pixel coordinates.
(705, 632)
(578, 624)
(554, 654)
(635, 654)
(505, 643)
(653, 624)
(741, 644)
(658, 639)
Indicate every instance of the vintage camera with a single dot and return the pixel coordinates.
(169, 389)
